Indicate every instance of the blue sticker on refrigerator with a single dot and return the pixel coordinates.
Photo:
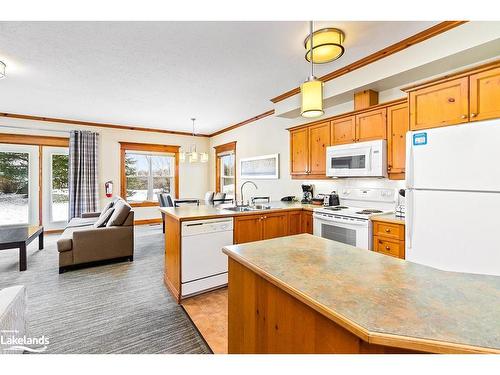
(419, 139)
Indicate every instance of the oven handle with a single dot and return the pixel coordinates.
(357, 222)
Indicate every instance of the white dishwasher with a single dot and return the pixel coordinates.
(203, 264)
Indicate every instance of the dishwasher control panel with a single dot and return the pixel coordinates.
(196, 227)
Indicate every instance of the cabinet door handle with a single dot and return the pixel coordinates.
(464, 116)
(451, 100)
(473, 114)
(388, 248)
(265, 217)
(389, 167)
(387, 230)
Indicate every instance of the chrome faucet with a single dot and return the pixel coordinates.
(241, 190)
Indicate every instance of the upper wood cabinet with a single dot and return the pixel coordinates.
(441, 104)
(397, 126)
(485, 95)
(308, 150)
(371, 125)
(319, 140)
(299, 151)
(343, 130)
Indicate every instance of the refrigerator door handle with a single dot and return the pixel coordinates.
(410, 208)
(409, 161)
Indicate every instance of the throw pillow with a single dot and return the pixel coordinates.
(106, 208)
(103, 219)
(120, 214)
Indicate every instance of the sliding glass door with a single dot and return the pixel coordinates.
(19, 188)
(55, 187)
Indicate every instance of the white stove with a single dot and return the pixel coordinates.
(350, 221)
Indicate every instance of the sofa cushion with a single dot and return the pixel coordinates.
(81, 222)
(121, 211)
(103, 218)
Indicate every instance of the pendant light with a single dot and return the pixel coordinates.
(327, 45)
(312, 88)
(193, 156)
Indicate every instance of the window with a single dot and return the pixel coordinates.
(148, 170)
(225, 179)
(59, 187)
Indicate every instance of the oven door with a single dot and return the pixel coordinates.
(351, 231)
(349, 161)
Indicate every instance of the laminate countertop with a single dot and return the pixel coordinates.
(388, 218)
(381, 299)
(192, 212)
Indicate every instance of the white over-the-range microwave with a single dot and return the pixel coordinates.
(362, 159)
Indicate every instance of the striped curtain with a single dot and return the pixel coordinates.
(83, 181)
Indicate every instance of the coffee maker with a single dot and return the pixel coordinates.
(307, 193)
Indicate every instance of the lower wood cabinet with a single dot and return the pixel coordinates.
(307, 222)
(264, 226)
(389, 238)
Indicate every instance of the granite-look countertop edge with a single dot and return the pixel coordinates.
(430, 326)
(389, 218)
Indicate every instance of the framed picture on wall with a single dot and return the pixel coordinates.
(266, 167)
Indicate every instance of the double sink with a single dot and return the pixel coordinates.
(257, 207)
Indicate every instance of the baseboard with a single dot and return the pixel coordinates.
(147, 221)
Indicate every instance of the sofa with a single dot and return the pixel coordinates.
(98, 236)
(12, 316)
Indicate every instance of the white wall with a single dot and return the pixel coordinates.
(193, 178)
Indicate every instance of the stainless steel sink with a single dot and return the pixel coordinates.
(257, 207)
(239, 209)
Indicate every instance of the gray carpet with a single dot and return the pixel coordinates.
(115, 308)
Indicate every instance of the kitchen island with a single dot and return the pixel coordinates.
(280, 219)
(305, 294)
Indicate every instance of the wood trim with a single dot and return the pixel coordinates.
(396, 47)
(245, 122)
(452, 76)
(98, 124)
(39, 140)
(152, 148)
(351, 113)
(144, 204)
(230, 146)
(147, 221)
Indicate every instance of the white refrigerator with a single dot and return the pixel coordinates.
(453, 197)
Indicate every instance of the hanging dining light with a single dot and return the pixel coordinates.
(193, 156)
(312, 88)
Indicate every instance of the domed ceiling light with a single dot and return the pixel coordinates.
(328, 45)
(2, 69)
(312, 89)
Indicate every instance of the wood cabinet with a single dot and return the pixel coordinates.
(389, 237)
(440, 104)
(485, 95)
(307, 222)
(294, 222)
(264, 226)
(319, 140)
(371, 125)
(299, 151)
(274, 225)
(343, 130)
(397, 127)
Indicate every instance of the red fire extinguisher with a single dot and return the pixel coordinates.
(109, 188)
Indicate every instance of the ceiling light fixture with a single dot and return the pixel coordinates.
(327, 45)
(2, 69)
(193, 156)
(312, 89)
